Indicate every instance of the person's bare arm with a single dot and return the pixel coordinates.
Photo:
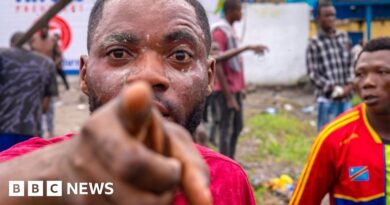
(126, 142)
(258, 49)
(220, 57)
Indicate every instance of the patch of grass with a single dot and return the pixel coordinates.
(259, 193)
(280, 137)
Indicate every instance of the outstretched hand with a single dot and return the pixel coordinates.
(144, 151)
(258, 49)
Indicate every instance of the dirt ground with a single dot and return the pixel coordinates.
(72, 110)
(259, 100)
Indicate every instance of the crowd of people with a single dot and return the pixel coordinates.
(152, 82)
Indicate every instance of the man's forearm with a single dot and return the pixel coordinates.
(229, 54)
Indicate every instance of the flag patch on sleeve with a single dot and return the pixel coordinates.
(359, 173)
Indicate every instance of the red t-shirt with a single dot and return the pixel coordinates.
(235, 80)
(229, 183)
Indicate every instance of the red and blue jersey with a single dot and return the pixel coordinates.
(348, 161)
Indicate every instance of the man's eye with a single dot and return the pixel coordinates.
(118, 54)
(181, 56)
(358, 74)
(383, 71)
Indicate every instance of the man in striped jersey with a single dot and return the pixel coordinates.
(350, 158)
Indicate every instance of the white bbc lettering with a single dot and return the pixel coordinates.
(72, 188)
(96, 188)
(16, 188)
(109, 188)
(35, 188)
(86, 188)
(83, 188)
(54, 188)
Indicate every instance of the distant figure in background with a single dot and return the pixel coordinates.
(329, 62)
(57, 58)
(230, 86)
(25, 87)
(211, 113)
(45, 44)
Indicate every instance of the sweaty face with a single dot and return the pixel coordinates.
(373, 80)
(327, 18)
(157, 41)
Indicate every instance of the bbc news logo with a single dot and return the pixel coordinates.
(55, 188)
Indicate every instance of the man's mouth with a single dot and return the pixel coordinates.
(163, 110)
(370, 99)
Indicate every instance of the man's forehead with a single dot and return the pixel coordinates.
(327, 9)
(146, 6)
(380, 57)
(147, 17)
(140, 11)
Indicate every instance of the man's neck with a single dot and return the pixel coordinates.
(380, 123)
(230, 21)
(327, 32)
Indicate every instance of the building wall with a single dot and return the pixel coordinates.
(284, 28)
(378, 28)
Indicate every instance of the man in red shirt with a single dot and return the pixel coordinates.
(137, 140)
(230, 82)
(350, 159)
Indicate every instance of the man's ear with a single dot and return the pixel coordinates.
(211, 66)
(83, 74)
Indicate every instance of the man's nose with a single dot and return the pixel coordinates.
(369, 81)
(151, 69)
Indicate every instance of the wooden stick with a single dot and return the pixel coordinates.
(44, 20)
